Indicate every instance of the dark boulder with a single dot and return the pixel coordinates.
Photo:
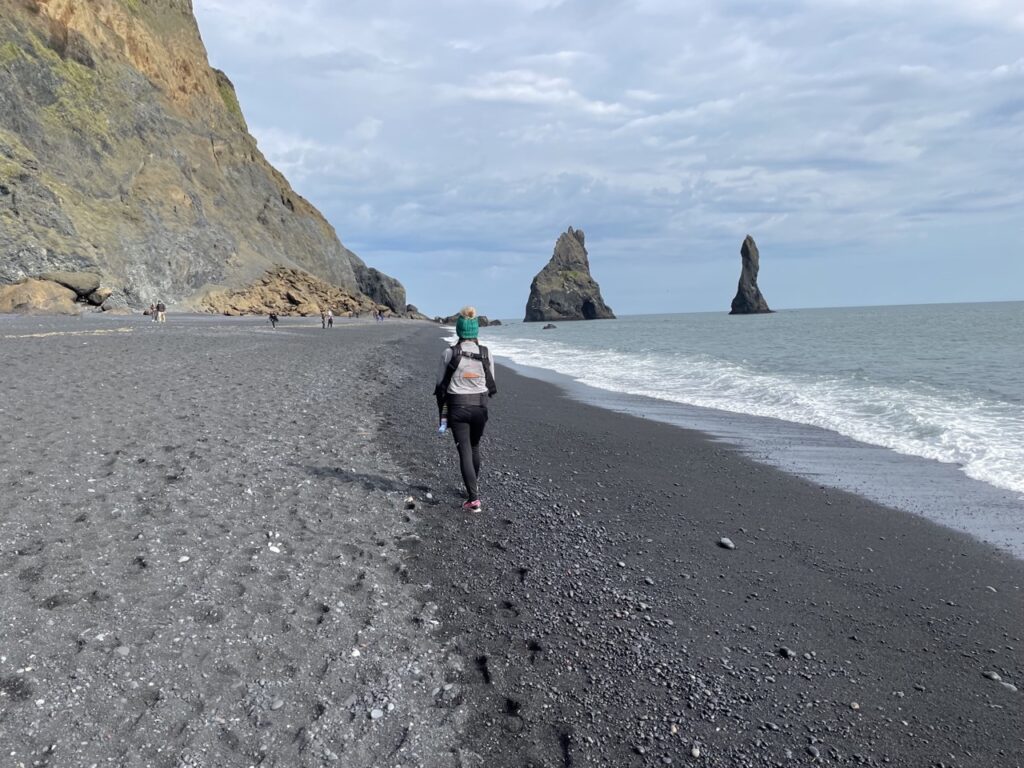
(482, 320)
(117, 304)
(413, 313)
(549, 327)
(564, 289)
(382, 288)
(100, 295)
(749, 300)
(82, 283)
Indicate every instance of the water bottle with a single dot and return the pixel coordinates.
(443, 426)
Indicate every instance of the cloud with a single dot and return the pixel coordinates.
(833, 131)
(527, 87)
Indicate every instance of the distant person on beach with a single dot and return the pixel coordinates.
(161, 312)
(323, 319)
(273, 319)
(152, 312)
(330, 318)
(465, 382)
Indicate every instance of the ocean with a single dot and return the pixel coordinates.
(919, 407)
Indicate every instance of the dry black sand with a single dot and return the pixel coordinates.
(587, 617)
(198, 531)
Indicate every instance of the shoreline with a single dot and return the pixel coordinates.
(603, 625)
(935, 490)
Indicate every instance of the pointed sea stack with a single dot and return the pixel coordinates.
(749, 300)
(564, 289)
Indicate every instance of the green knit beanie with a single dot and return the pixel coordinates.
(467, 327)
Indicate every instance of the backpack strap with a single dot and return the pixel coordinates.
(453, 366)
(441, 390)
(485, 357)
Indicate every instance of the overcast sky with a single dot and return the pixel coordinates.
(874, 149)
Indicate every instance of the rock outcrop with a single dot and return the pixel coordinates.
(289, 291)
(381, 288)
(37, 296)
(124, 154)
(749, 300)
(482, 320)
(564, 289)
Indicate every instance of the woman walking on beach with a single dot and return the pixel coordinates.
(465, 382)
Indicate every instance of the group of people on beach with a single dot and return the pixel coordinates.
(157, 312)
(326, 318)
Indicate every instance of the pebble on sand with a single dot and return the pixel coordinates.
(725, 543)
(184, 559)
(376, 714)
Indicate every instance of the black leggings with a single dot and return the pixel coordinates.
(466, 423)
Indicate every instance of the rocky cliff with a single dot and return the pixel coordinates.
(124, 154)
(564, 289)
(748, 300)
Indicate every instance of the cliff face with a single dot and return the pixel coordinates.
(748, 299)
(564, 289)
(123, 153)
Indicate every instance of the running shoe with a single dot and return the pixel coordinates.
(471, 506)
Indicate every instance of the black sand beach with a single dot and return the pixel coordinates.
(604, 625)
(207, 559)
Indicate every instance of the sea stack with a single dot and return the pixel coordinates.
(749, 300)
(564, 289)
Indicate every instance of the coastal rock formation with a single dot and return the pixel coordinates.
(749, 300)
(289, 291)
(564, 289)
(82, 283)
(37, 296)
(62, 293)
(381, 288)
(124, 154)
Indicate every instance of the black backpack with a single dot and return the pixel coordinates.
(441, 390)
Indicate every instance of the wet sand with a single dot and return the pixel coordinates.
(207, 559)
